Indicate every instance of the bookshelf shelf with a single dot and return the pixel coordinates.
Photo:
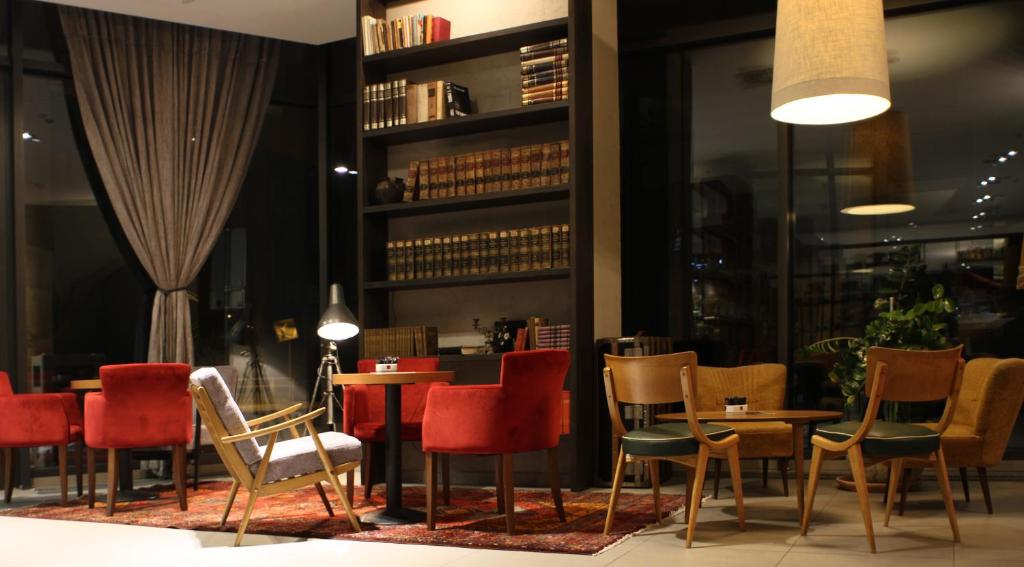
(472, 124)
(469, 47)
(469, 202)
(480, 279)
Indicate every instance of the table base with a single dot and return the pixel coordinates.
(397, 517)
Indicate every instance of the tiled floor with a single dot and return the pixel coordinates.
(836, 540)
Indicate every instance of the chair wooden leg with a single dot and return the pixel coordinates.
(253, 493)
(942, 474)
(613, 498)
(111, 480)
(367, 471)
(784, 473)
(62, 470)
(430, 470)
(556, 483)
(353, 520)
(90, 463)
(718, 477)
(689, 494)
(963, 482)
(655, 466)
(860, 479)
(983, 478)
(698, 491)
(446, 473)
(904, 487)
(817, 457)
(895, 473)
(8, 474)
(764, 473)
(197, 448)
(508, 485)
(499, 489)
(737, 485)
(231, 500)
(79, 467)
(323, 498)
(350, 485)
(179, 464)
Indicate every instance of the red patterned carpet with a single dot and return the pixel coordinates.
(470, 521)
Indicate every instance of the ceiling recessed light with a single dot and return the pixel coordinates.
(26, 136)
(991, 178)
(987, 197)
(978, 200)
(1001, 159)
(353, 172)
(984, 183)
(975, 217)
(981, 214)
(341, 169)
(974, 228)
(1011, 153)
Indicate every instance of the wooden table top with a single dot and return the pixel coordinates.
(788, 416)
(393, 377)
(86, 384)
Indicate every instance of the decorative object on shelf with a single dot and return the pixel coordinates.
(487, 334)
(545, 71)
(388, 190)
(830, 68)
(736, 404)
(336, 324)
(386, 364)
(884, 142)
(505, 333)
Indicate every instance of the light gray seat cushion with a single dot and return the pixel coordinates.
(228, 411)
(295, 457)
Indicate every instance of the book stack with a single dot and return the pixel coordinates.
(511, 250)
(545, 71)
(523, 167)
(398, 341)
(399, 102)
(380, 36)
(554, 336)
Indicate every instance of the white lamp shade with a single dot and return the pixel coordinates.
(883, 142)
(337, 331)
(831, 65)
(337, 323)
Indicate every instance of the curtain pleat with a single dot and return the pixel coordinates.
(172, 114)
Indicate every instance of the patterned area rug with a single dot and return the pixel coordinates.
(471, 520)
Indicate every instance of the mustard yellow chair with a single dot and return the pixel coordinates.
(764, 386)
(989, 403)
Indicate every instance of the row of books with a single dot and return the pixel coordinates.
(380, 35)
(512, 250)
(398, 102)
(522, 167)
(544, 70)
(398, 341)
(554, 336)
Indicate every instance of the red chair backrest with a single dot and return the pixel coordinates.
(367, 402)
(532, 383)
(148, 397)
(5, 385)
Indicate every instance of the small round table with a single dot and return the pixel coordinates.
(797, 418)
(393, 513)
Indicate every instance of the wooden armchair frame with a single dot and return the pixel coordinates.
(651, 385)
(880, 388)
(241, 475)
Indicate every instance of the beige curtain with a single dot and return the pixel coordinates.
(172, 114)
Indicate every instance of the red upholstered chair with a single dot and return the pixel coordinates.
(38, 420)
(141, 405)
(522, 413)
(363, 414)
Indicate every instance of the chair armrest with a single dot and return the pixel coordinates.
(464, 418)
(33, 420)
(275, 415)
(274, 428)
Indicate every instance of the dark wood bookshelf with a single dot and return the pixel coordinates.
(476, 279)
(469, 47)
(469, 202)
(473, 124)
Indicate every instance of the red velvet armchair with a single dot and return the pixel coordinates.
(141, 405)
(363, 414)
(38, 420)
(523, 413)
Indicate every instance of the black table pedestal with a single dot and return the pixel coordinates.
(393, 514)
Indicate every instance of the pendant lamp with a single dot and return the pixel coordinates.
(831, 66)
(884, 143)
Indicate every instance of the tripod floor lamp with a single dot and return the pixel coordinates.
(336, 324)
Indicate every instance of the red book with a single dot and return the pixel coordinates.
(442, 30)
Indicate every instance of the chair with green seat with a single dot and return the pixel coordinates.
(898, 376)
(666, 379)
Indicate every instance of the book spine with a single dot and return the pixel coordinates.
(563, 161)
(435, 171)
(464, 255)
(417, 251)
(526, 49)
(373, 107)
(506, 169)
(402, 100)
(392, 261)
(545, 247)
(513, 251)
(517, 168)
(432, 101)
(438, 256)
(461, 189)
(556, 75)
(366, 107)
(388, 107)
(536, 164)
(503, 261)
(409, 195)
(478, 159)
(566, 260)
(544, 60)
(535, 258)
(560, 86)
(439, 111)
(474, 253)
(542, 66)
(545, 173)
(556, 246)
(544, 52)
(492, 253)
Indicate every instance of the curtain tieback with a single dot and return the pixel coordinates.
(170, 291)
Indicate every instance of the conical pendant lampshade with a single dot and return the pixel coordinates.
(831, 66)
(337, 323)
(884, 143)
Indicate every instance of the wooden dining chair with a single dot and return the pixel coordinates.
(898, 376)
(298, 462)
(666, 379)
